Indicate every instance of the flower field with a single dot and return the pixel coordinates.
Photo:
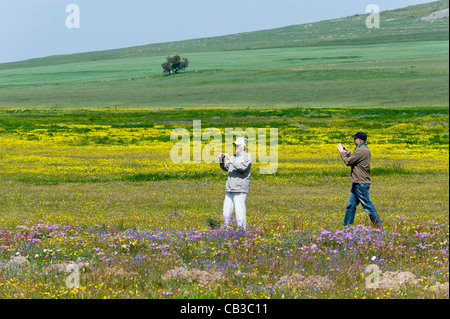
(96, 188)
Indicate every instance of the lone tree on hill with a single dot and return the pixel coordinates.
(174, 64)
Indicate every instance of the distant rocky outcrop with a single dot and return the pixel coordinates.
(436, 15)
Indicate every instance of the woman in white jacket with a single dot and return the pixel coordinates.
(238, 183)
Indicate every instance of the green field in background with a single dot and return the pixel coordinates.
(402, 74)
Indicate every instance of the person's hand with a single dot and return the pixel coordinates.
(342, 149)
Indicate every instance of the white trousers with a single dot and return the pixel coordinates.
(235, 202)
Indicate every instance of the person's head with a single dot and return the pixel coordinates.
(240, 144)
(359, 138)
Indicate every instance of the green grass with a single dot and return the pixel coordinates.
(205, 65)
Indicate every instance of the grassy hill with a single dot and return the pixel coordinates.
(396, 25)
(336, 62)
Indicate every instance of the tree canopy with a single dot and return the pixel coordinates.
(174, 64)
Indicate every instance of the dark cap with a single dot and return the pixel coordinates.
(360, 135)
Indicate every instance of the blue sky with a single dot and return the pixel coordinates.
(37, 28)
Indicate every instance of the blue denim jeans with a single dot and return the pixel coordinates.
(360, 194)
